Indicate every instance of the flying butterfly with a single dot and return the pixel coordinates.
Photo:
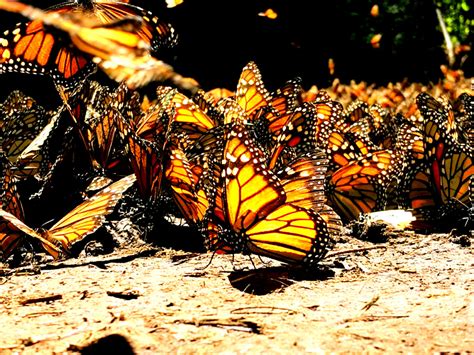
(31, 47)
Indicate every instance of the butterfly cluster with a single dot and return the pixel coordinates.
(272, 173)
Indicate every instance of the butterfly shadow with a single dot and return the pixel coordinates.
(109, 344)
(265, 280)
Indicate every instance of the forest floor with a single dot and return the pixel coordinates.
(413, 293)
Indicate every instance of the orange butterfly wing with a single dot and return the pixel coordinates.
(186, 117)
(259, 218)
(291, 234)
(89, 215)
(31, 49)
(12, 230)
(146, 160)
(192, 201)
(251, 94)
(360, 186)
(250, 193)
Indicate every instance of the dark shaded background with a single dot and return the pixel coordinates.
(217, 38)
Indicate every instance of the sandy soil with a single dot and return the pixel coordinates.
(411, 294)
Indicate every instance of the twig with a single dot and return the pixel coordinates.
(41, 299)
(125, 295)
(260, 310)
(359, 336)
(348, 251)
(407, 271)
(238, 324)
(373, 318)
(372, 302)
(37, 314)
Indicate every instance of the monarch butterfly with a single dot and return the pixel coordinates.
(408, 140)
(464, 107)
(306, 175)
(390, 98)
(315, 95)
(9, 198)
(438, 184)
(343, 148)
(208, 103)
(73, 227)
(97, 183)
(308, 128)
(16, 100)
(356, 111)
(361, 185)
(9, 202)
(368, 121)
(257, 218)
(33, 48)
(21, 120)
(47, 150)
(437, 115)
(281, 105)
(19, 130)
(251, 93)
(146, 160)
(382, 132)
(25, 136)
(270, 110)
(218, 93)
(153, 122)
(93, 111)
(192, 200)
(185, 116)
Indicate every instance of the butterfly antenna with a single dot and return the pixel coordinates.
(47, 222)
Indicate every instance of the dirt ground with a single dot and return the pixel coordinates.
(413, 293)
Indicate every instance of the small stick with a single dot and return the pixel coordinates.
(262, 310)
(234, 324)
(125, 295)
(41, 299)
(372, 302)
(37, 314)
